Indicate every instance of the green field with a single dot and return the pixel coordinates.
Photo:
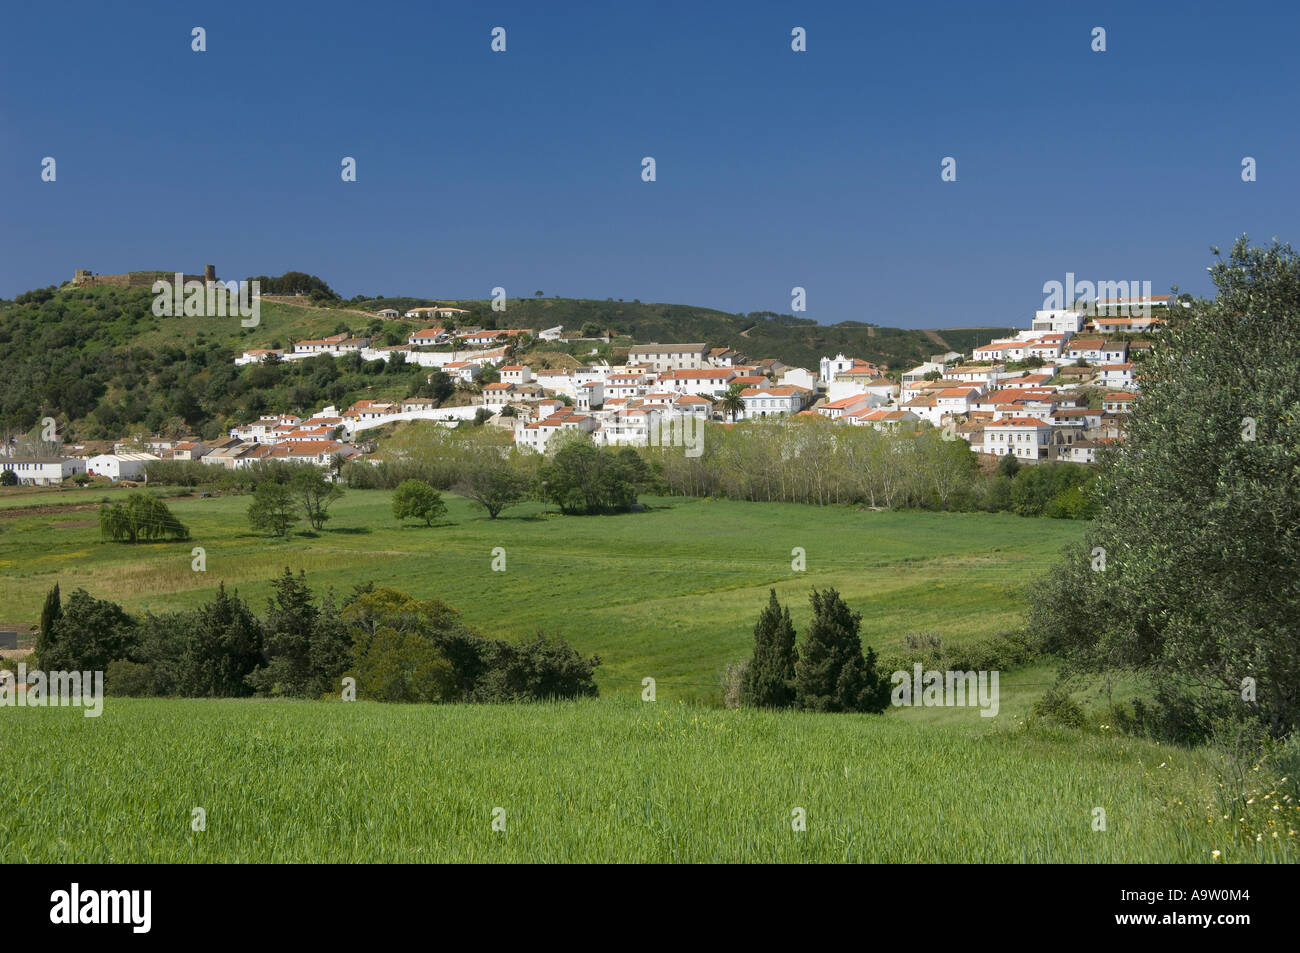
(671, 593)
(599, 780)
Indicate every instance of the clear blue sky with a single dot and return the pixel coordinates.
(775, 168)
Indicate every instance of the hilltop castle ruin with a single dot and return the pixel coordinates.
(83, 277)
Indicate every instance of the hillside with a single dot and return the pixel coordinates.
(99, 361)
(794, 340)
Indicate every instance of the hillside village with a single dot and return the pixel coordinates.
(1056, 391)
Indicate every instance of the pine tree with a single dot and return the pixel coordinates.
(831, 673)
(291, 619)
(768, 681)
(224, 646)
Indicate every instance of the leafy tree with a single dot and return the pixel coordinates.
(1041, 489)
(316, 492)
(272, 509)
(296, 282)
(1199, 589)
(368, 609)
(8, 478)
(88, 635)
(768, 680)
(398, 666)
(124, 678)
(416, 499)
(492, 486)
(581, 478)
(142, 516)
(831, 673)
(390, 631)
(1009, 465)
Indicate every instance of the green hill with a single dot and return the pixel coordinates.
(103, 365)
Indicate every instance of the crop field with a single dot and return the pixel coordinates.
(670, 594)
(597, 780)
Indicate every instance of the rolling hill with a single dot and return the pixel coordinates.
(100, 362)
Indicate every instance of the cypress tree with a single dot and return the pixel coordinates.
(768, 681)
(831, 673)
(50, 614)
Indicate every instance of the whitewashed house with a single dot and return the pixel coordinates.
(1025, 437)
(42, 471)
(799, 377)
(713, 380)
(428, 337)
(669, 357)
(119, 466)
(772, 401)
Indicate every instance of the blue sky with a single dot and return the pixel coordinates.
(774, 168)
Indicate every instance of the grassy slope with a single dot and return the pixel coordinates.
(670, 594)
(600, 780)
(281, 321)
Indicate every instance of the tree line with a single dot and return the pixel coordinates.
(390, 645)
(817, 461)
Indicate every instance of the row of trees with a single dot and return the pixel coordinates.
(483, 465)
(814, 460)
(396, 648)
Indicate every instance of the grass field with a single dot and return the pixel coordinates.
(599, 780)
(671, 593)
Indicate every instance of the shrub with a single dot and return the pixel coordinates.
(541, 669)
(733, 677)
(127, 678)
(1057, 706)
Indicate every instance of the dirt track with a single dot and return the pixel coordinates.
(15, 511)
